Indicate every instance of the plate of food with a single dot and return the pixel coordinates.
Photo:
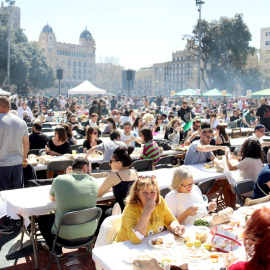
(208, 165)
(161, 242)
(246, 210)
(196, 254)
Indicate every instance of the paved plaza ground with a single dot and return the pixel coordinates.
(11, 258)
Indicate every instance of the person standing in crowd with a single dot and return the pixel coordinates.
(14, 148)
(37, 139)
(62, 103)
(113, 103)
(25, 108)
(93, 121)
(76, 190)
(200, 150)
(185, 112)
(263, 112)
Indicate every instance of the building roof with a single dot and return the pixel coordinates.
(86, 35)
(47, 29)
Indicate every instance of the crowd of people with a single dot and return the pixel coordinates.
(198, 123)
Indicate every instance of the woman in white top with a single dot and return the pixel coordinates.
(250, 159)
(213, 121)
(185, 201)
(137, 125)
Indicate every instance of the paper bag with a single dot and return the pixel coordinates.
(225, 241)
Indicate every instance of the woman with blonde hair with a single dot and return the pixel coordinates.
(175, 133)
(146, 212)
(185, 201)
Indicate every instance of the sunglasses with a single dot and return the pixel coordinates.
(197, 126)
(159, 119)
(208, 137)
(261, 130)
(95, 133)
(112, 160)
(188, 186)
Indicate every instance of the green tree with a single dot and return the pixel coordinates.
(224, 51)
(28, 66)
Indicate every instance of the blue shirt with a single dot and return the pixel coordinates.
(263, 178)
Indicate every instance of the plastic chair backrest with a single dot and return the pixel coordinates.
(105, 166)
(206, 186)
(80, 217)
(242, 187)
(166, 160)
(60, 165)
(80, 149)
(33, 151)
(142, 165)
(164, 192)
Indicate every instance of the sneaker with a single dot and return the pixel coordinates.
(6, 230)
(46, 247)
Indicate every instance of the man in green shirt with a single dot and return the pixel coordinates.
(249, 119)
(71, 192)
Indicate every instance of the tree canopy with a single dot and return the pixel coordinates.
(28, 66)
(224, 53)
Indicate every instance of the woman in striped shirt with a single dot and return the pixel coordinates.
(150, 149)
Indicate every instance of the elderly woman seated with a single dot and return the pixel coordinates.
(185, 201)
(146, 213)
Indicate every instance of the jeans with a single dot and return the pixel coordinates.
(11, 178)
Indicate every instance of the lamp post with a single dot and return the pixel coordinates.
(11, 3)
(199, 4)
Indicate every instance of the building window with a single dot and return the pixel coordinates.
(50, 49)
(74, 70)
(79, 77)
(74, 64)
(268, 34)
(68, 63)
(79, 71)
(43, 50)
(267, 42)
(74, 77)
(79, 64)
(90, 55)
(84, 64)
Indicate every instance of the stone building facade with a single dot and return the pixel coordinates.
(265, 50)
(15, 14)
(77, 60)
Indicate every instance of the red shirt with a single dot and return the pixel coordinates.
(245, 266)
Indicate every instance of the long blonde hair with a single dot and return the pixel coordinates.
(142, 183)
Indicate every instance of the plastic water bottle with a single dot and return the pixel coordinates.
(161, 128)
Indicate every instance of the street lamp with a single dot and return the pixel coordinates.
(11, 3)
(199, 4)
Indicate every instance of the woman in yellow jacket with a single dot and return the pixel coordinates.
(146, 212)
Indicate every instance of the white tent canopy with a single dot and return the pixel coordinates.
(4, 93)
(86, 88)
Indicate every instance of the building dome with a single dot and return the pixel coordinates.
(47, 29)
(86, 35)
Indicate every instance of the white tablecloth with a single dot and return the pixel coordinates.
(41, 167)
(238, 142)
(35, 201)
(111, 257)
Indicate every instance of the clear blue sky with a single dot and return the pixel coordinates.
(138, 33)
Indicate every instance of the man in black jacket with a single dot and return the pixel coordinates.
(37, 139)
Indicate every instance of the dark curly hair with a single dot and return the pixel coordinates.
(122, 154)
(251, 148)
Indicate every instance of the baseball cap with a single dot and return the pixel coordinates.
(260, 126)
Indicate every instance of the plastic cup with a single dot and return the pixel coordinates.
(74, 152)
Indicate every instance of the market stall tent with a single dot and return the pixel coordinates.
(187, 92)
(265, 92)
(4, 93)
(215, 93)
(86, 88)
